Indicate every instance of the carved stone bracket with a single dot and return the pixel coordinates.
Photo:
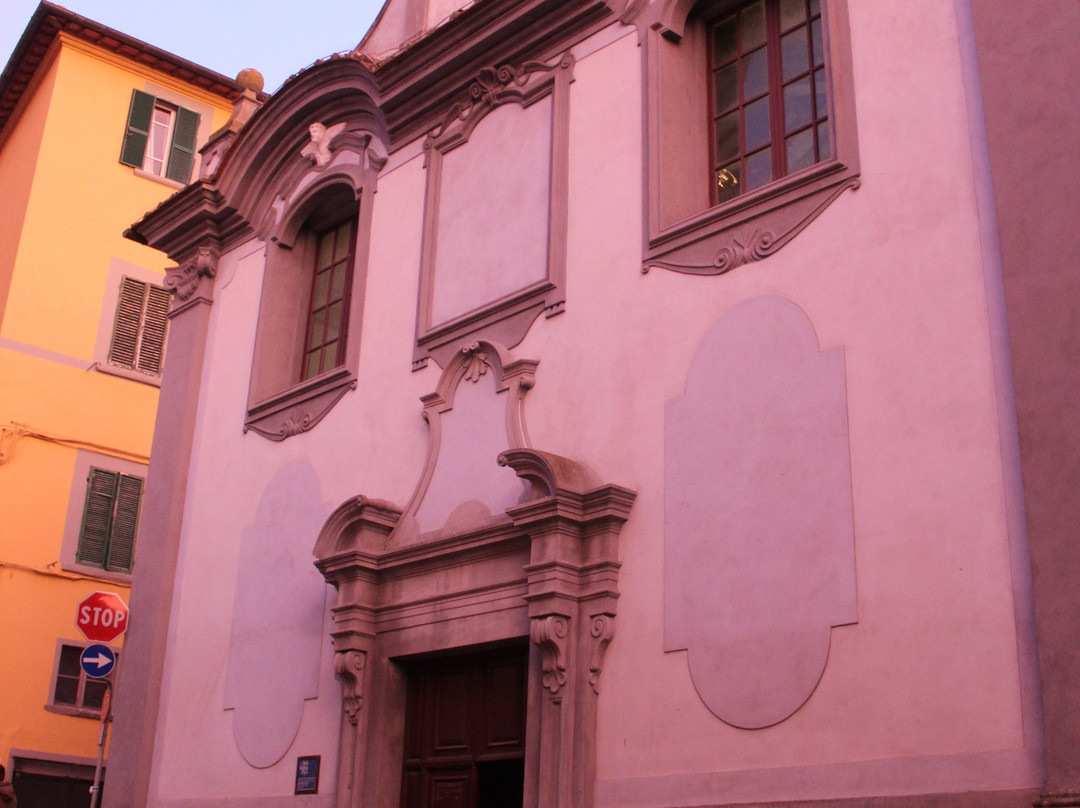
(349, 668)
(602, 632)
(549, 633)
(186, 279)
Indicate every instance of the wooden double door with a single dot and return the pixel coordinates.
(465, 730)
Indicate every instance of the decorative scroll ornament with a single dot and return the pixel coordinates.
(298, 420)
(321, 138)
(491, 88)
(349, 668)
(602, 631)
(549, 633)
(743, 245)
(184, 279)
(478, 362)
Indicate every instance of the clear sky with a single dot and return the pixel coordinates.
(276, 37)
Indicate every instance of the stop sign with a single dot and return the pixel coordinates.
(102, 617)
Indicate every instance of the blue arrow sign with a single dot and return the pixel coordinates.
(97, 661)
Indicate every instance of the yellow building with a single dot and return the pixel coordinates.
(96, 128)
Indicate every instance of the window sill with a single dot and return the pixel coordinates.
(301, 406)
(97, 572)
(77, 712)
(751, 227)
(158, 178)
(127, 373)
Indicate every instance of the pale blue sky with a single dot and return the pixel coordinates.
(275, 37)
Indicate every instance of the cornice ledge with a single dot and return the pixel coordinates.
(192, 217)
(415, 83)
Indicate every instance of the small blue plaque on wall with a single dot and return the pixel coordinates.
(307, 775)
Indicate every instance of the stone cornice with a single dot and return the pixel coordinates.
(415, 84)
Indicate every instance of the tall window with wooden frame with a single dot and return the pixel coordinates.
(328, 309)
(160, 138)
(769, 103)
(110, 520)
(140, 327)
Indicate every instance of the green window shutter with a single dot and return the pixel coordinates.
(138, 129)
(155, 326)
(125, 524)
(129, 314)
(182, 153)
(101, 487)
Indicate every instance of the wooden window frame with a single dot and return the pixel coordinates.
(140, 327)
(78, 708)
(344, 265)
(688, 229)
(774, 94)
(84, 556)
(178, 162)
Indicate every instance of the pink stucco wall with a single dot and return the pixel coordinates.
(926, 692)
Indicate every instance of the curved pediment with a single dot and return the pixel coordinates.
(278, 144)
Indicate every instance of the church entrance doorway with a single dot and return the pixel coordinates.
(465, 730)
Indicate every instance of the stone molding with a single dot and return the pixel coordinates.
(547, 569)
(507, 319)
(196, 274)
(714, 239)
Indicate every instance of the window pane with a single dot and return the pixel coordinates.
(759, 169)
(792, 12)
(343, 240)
(795, 53)
(93, 694)
(67, 690)
(757, 123)
(724, 40)
(752, 25)
(821, 98)
(69, 661)
(824, 144)
(322, 286)
(311, 369)
(797, 112)
(819, 48)
(333, 322)
(318, 323)
(815, 7)
(755, 73)
(800, 151)
(337, 286)
(728, 185)
(726, 87)
(326, 251)
(727, 136)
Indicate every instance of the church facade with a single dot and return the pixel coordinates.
(644, 404)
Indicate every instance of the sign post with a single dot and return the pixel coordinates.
(101, 617)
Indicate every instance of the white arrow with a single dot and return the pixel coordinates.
(102, 661)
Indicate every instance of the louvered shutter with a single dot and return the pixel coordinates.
(182, 153)
(125, 524)
(129, 314)
(154, 327)
(138, 129)
(101, 488)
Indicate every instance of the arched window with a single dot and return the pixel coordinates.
(307, 343)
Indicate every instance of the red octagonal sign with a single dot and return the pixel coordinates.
(102, 617)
